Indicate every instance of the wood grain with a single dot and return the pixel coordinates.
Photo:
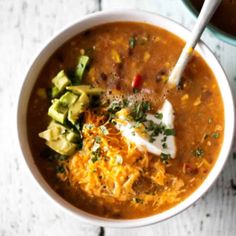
(25, 25)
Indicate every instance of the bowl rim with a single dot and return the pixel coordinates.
(220, 34)
(119, 16)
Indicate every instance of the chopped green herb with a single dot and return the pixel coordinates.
(154, 128)
(95, 155)
(139, 110)
(132, 42)
(164, 139)
(88, 126)
(104, 129)
(159, 115)
(198, 152)
(60, 169)
(164, 145)
(97, 139)
(137, 125)
(125, 102)
(151, 139)
(169, 132)
(94, 158)
(215, 135)
(115, 106)
(165, 158)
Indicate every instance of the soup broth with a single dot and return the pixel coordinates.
(131, 63)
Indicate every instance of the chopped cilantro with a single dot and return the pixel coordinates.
(132, 42)
(60, 169)
(198, 152)
(94, 158)
(95, 155)
(159, 115)
(164, 145)
(215, 135)
(164, 139)
(98, 139)
(125, 102)
(139, 110)
(115, 106)
(151, 139)
(169, 132)
(104, 129)
(88, 126)
(154, 128)
(137, 125)
(165, 158)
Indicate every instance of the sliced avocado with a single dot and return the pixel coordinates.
(80, 69)
(54, 124)
(53, 131)
(68, 99)
(55, 92)
(62, 146)
(61, 81)
(58, 111)
(50, 134)
(73, 137)
(79, 89)
(77, 108)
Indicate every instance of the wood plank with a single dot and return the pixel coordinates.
(25, 25)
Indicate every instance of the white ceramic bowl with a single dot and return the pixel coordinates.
(98, 19)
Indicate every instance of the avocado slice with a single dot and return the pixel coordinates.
(68, 99)
(55, 92)
(77, 108)
(73, 137)
(61, 81)
(50, 134)
(60, 139)
(53, 131)
(79, 89)
(80, 69)
(62, 146)
(58, 111)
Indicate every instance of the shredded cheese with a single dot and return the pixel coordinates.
(119, 167)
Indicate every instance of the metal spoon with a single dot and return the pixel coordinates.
(207, 11)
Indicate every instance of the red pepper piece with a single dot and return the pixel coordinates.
(137, 81)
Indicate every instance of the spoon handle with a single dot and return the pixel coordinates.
(207, 11)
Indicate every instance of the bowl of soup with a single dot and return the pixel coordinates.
(223, 22)
(102, 133)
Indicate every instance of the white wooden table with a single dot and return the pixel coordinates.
(25, 25)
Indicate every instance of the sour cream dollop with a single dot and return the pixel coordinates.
(162, 143)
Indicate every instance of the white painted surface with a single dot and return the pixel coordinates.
(24, 210)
